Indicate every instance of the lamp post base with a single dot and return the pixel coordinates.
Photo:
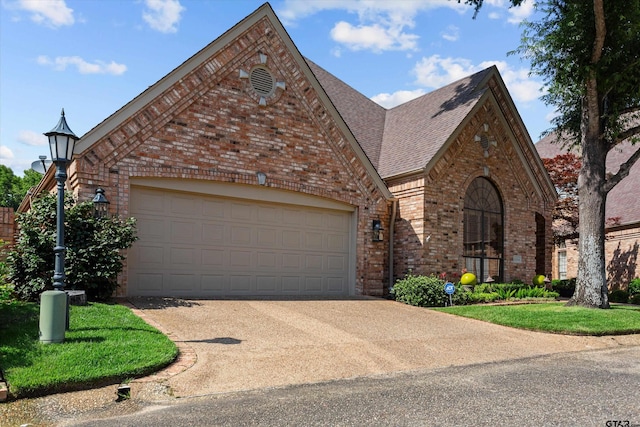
(53, 316)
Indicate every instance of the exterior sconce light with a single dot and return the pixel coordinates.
(100, 204)
(376, 227)
(262, 178)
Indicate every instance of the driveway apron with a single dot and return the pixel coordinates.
(250, 344)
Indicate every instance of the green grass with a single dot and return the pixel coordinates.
(556, 318)
(105, 344)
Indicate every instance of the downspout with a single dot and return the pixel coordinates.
(394, 204)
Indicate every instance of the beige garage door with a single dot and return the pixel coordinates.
(201, 245)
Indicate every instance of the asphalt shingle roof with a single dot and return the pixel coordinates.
(406, 137)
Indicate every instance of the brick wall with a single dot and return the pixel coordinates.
(429, 227)
(622, 250)
(210, 127)
(7, 226)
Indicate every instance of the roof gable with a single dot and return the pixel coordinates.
(416, 130)
(185, 80)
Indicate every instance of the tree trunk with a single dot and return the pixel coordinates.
(591, 284)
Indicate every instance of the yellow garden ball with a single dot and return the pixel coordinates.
(538, 280)
(468, 279)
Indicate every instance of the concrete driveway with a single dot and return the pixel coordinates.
(250, 344)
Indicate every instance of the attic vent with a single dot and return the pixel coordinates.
(262, 81)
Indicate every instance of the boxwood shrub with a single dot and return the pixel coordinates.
(426, 291)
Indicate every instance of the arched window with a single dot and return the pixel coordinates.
(483, 230)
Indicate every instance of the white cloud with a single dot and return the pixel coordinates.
(29, 137)
(5, 153)
(163, 15)
(520, 13)
(61, 63)
(390, 100)
(52, 13)
(435, 72)
(379, 25)
(452, 33)
(373, 37)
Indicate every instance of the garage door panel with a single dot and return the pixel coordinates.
(335, 284)
(241, 235)
(199, 245)
(268, 237)
(213, 283)
(213, 209)
(213, 258)
(185, 206)
(151, 228)
(149, 255)
(313, 241)
(213, 233)
(183, 256)
(267, 284)
(182, 231)
(150, 282)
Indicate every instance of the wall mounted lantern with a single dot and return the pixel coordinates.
(262, 178)
(100, 204)
(377, 230)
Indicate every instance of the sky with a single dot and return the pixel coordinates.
(91, 57)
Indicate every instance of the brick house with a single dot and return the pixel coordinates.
(622, 242)
(253, 171)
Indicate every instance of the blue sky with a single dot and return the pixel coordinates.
(91, 57)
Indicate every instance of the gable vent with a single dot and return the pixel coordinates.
(262, 81)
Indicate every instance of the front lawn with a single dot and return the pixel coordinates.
(556, 318)
(105, 344)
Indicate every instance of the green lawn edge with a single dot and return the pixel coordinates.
(556, 318)
(105, 344)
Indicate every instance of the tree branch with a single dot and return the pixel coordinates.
(623, 172)
(628, 134)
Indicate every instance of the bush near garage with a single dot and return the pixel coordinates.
(94, 246)
(425, 291)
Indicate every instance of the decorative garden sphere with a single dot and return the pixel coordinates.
(538, 280)
(468, 279)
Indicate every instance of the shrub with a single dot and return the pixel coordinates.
(619, 296)
(425, 291)
(564, 287)
(634, 287)
(93, 257)
(477, 297)
(635, 299)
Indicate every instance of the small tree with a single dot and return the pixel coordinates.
(94, 246)
(563, 170)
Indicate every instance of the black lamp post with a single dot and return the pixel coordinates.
(54, 308)
(62, 140)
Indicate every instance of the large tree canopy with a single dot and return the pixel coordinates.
(13, 188)
(588, 53)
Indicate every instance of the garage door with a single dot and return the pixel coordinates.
(202, 245)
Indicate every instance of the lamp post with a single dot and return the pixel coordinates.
(53, 304)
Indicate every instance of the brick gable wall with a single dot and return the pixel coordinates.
(429, 227)
(210, 127)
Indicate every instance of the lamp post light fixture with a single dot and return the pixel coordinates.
(53, 304)
(100, 204)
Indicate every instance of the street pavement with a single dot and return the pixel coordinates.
(588, 388)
